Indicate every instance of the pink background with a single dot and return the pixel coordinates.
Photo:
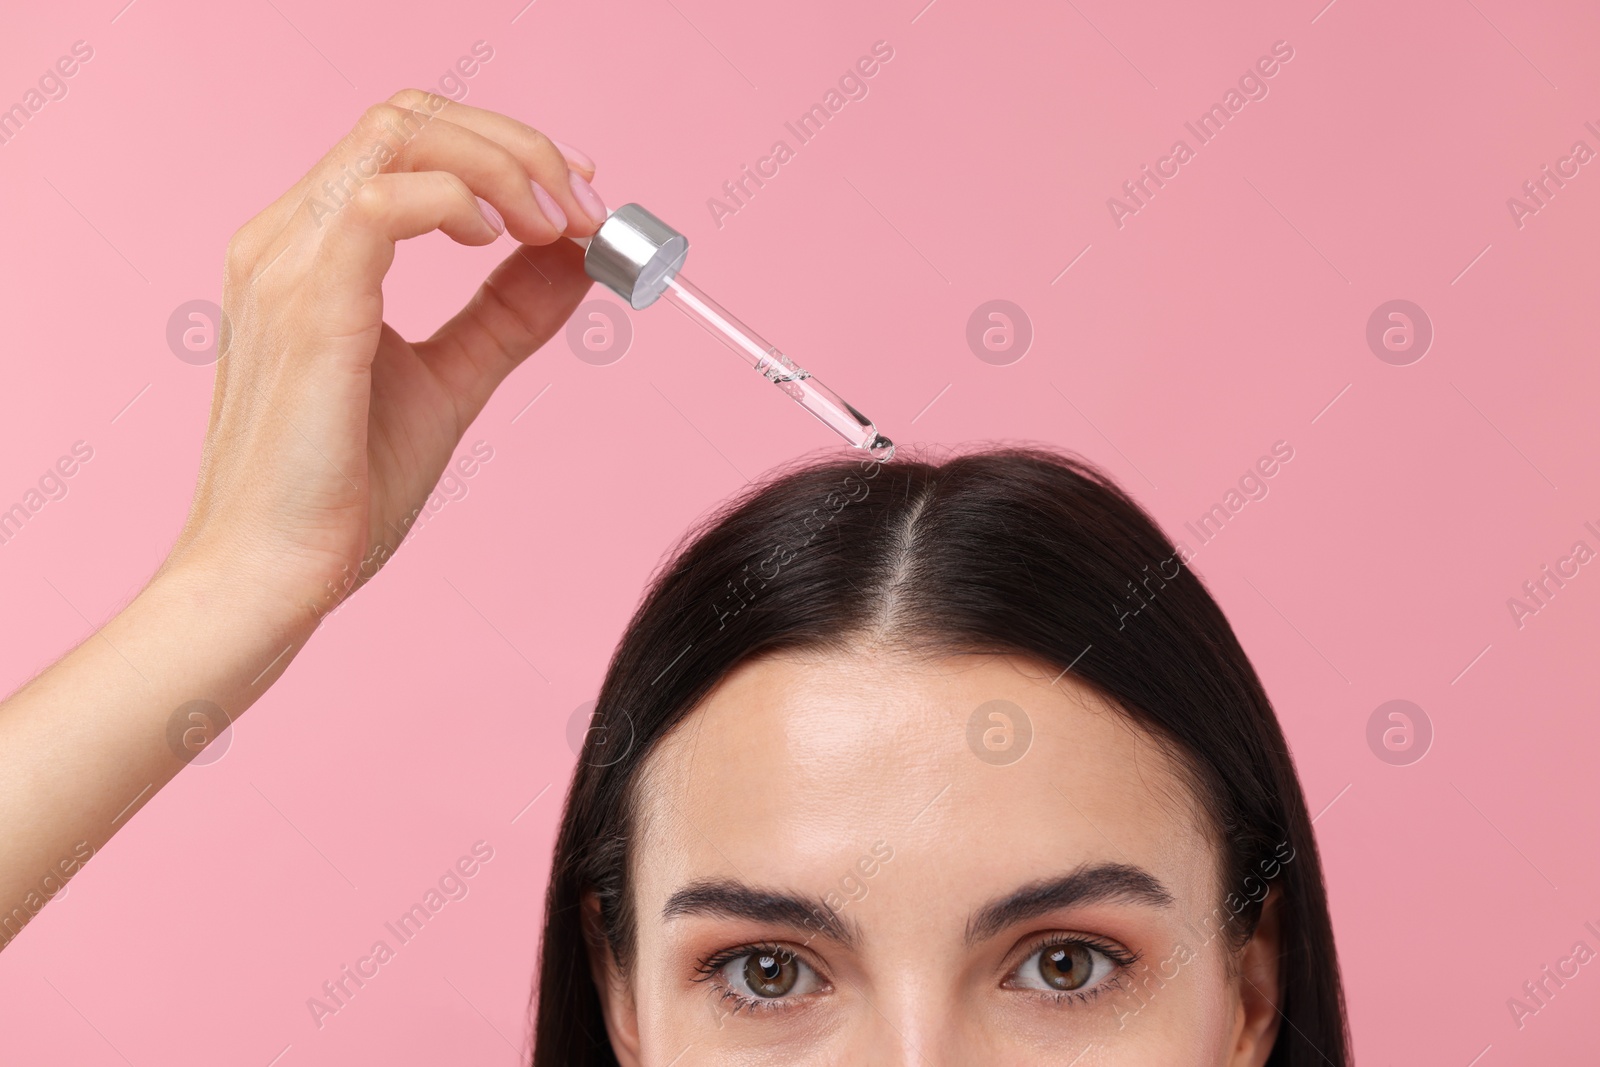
(1228, 314)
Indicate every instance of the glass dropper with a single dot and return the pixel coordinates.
(639, 257)
(796, 382)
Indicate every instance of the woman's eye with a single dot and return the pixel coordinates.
(1063, 966)
(768, 974)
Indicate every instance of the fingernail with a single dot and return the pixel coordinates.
(573, 155)
(586, 197)
(491, 216)
(551, 209)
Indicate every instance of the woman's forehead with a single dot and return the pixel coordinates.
(985, 768)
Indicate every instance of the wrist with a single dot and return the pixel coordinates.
(270, 589)
(249, 625)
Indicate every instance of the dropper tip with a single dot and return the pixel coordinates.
(880, 448)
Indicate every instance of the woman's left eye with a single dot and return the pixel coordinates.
(769, 974)
(1064, 967)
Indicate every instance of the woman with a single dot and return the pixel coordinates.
(935, 763)
(922, 762)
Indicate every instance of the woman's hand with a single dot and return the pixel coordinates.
(328, 429)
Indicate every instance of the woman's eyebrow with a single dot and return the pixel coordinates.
(1086, 885)
(740, 901)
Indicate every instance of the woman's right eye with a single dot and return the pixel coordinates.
(1067, 965)
(769, 974)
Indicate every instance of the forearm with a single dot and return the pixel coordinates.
(90, 741)
(327, 427)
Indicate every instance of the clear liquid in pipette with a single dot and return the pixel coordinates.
(796, 382)
(829, 407)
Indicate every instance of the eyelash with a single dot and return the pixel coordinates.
(1123, 958)
(711, 966)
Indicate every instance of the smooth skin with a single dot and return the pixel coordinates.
(328, 429)
(858, 792)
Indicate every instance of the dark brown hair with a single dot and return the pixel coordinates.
(1017, 550)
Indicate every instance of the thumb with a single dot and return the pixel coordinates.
(521, 305)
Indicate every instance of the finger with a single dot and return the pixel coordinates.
(523, 140)
(520, 306)
(333, 176)
(361, 233)
(385, 128)
(490, 170)
(575, 199)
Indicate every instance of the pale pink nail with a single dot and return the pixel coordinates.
(491, 216)
(586, 197)
(573, 155)
(551, 209)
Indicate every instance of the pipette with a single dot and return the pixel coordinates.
(639, 257)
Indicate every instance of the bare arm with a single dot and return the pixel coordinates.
(327, 432)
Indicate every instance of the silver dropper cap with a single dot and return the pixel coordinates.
(635, 254)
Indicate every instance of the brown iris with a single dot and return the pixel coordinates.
(771, 974)
(1065, 966)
